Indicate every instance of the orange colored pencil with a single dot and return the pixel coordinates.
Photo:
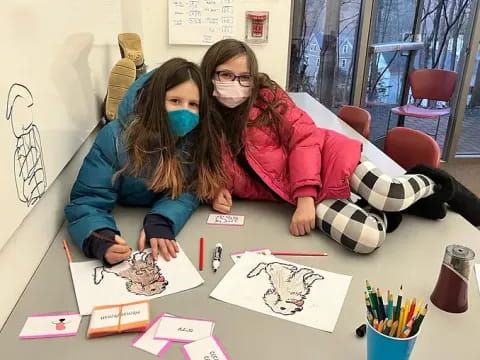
(67, 251)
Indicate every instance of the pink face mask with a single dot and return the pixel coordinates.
(230, 93)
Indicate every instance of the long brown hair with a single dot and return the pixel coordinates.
(151, 145)
(234, 121)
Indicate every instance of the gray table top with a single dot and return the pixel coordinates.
(410, 256)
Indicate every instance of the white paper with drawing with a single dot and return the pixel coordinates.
(285, 290)
(137, 278)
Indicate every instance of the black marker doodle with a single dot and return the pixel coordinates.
(30, 176)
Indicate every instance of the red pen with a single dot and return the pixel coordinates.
(200, 255)
(299, 253)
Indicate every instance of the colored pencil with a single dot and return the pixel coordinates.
(402, 311)
(380, 325)
(388, 326)
(418, 307)
(375, 304)
(412, 309)
(418, 321)
(370, 318)
(375, 324)
(381, 306)
(393, 330)
(408, 328)
(390, 305)
(67, 251)
(200, 254)
(299, 253)
(399, 304)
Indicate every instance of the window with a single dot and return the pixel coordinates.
(343, 63)
(345, 49)
(318, 61)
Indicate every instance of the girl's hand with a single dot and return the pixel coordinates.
(303, 220)
(168, 248)
(222, 202)
(118, 252)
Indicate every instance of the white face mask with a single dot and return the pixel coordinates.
(231, 93)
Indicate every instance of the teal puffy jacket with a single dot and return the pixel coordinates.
(94, 193)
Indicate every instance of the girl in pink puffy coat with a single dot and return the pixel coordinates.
(274, 151)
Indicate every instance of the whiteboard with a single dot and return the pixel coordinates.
(200, 22)
(56, 59)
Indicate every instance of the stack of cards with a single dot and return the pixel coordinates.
(113, 319)
(49, 325)
(166, 329)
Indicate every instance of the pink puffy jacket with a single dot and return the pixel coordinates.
(311, 161)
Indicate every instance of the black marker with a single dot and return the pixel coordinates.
(217, 254)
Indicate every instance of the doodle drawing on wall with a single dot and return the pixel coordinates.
(143, 276)
(30, 176)
(289, 286)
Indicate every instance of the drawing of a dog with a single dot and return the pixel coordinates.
(142, 274)
(290, 286)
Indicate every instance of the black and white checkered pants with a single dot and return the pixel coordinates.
(364, 230)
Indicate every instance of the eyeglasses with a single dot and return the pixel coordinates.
(225, 75)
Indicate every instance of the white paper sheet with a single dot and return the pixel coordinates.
(285, 290)
(200, 22)
(136, 279)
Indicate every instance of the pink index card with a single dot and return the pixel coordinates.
(205, 349)
(183, 329)
(226, 219)
(146, 341)
(49, 325)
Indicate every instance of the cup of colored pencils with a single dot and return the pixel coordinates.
(393, 324)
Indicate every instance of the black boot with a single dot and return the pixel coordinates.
(433, 207)
(465, 203)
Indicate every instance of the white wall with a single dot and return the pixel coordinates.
(272, 57)
(25, 249)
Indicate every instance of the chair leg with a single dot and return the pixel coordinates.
(388, 122)
(438, 125)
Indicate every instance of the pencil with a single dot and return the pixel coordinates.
(380, 325)
(67, 251)
(399, 327)
(393, 330)
(399, 304)
(370, 318)
(418, 307)
(388, 326)
(375, 305)
(390, 305)
(299, 253)
(375, 324)
(412, 309)
(381, 306)
(407, 329)
(418, 321)
(200, 254)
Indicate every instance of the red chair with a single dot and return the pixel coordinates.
(359, 119)
(428, 84)
(409, 147)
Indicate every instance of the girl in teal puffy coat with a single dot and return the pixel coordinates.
(162, 151)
